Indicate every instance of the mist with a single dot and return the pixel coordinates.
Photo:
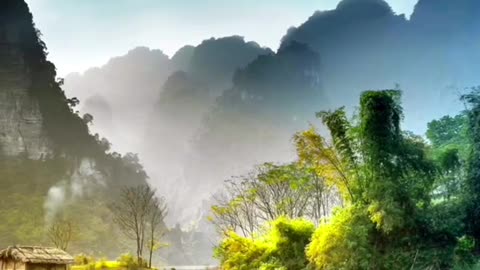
(187, 120)
(214, 110)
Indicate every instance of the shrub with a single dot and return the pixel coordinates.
(344, 242)
(103, 264)
(83, 259)
(130, 262)
(127, 259)
(464, 252)
(281, 247)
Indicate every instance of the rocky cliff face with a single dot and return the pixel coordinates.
(21, 131)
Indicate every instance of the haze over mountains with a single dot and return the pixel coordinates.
(217, 109)
(206, 114)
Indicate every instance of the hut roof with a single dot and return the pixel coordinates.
(44, 255)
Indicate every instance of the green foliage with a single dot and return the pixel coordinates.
(464, 252)
(473, 174)
(404, 202)
(25, 184)
(450, 146)
(130, 262)
(271, 191)
(281, 247)
(127, 259)
(387, 179)
(388, 221)
(450, 132)
(344, 242)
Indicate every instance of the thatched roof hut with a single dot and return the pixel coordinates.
(34, 258)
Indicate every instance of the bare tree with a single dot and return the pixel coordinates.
(139, 212)
(157, 213)
(60, 233)
(234, 209)
(269, 192)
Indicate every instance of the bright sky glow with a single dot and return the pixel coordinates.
(86, 33)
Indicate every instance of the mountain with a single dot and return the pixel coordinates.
(183, 102)
(131, 85)
(214, 61)
(51, 166)
(253, 121)
(363, 45)
(125, 87)
(214, 110)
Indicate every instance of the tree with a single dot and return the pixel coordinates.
(269, 192)
(450, 146)
(472, 100)
(138, 212)
(156, 215)
(60, 233)
(393, 215)
(449, 132)
(385, 178)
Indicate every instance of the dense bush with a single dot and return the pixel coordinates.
(281, 247)
(344, 242)
(83, 259)
(127, 259)
(130, 262)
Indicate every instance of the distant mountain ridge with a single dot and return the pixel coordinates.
(215, 110)
(360, 45)
(131, 85)
(363, 45)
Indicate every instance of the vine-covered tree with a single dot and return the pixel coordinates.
(402, 203)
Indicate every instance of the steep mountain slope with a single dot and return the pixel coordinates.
(51, 167)
(126, 86)
(184, 101)
(253, 121)
(130, 85)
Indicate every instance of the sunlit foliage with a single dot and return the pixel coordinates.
(269, 192)
(403, 202)
(281, 246)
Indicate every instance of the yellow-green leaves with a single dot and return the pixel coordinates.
(281, 246)
(343, 243)
(313, 151)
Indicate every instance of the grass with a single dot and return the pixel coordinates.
(111, 265)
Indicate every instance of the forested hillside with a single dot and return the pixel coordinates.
(51, 168)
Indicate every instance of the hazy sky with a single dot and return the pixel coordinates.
(85, 33)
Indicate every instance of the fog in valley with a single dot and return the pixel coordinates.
(215, 110)
(187, 122)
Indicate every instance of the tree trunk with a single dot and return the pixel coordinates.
(151, 253)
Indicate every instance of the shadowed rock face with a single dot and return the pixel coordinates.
(51, 166)
(181, 59)
(439, 18)
(214, 61)
(21, 131)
